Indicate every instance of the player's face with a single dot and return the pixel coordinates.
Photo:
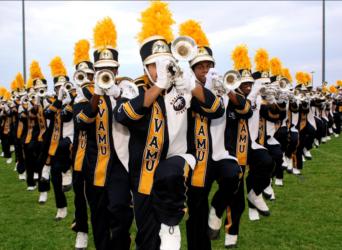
(201, 69)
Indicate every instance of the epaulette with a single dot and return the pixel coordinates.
(119, 79)
(142, 81)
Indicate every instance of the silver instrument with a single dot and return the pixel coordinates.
(184, 48)
(68, 86)
(80, 77)
(104, 78)
(41, 92)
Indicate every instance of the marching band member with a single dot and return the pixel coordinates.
(59, 150)
(237, 140)
(158, 122)
(261, 168)
(199, 142)
(5, 126)
(83, 78)
(337, 110)
(107, 180)
(274, 117)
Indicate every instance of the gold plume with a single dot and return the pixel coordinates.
(156, 20)
(35, 71)
(240, 58)
(29, 83)
(57, 67)
(14, 85)
(300, 77)
(105, 34)
(332, 89)
(20, 81)
(339, 83)
(286, 73)
(275, 66)
(7, 95)
(194, 30)
(262, 63)
(81, 51)
(307, 78)
(3, 90)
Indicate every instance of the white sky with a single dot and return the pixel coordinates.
(289, 30)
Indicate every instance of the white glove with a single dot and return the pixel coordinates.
(114, 91)
(20, 109)
(162, 73)
(46, 173)
(7, 109)
(98, 90)
(60, 93)
(128, 89)
(212, 74)
(79, 94)
(67, 99)
(29, 106)
(270, 99)
(37, 100)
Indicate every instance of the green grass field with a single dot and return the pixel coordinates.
(306, 215)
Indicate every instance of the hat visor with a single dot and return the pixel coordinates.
(106, 63)
(202, 58)
(247, 79)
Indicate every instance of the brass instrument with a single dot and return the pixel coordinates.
(184, 48)
(41, 92)
(80, 77)
(68, 86)
(104, 78)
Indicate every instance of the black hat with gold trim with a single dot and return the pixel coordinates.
(194, 30)
(156, 33)
(285, 72)
(105, 37)
(37, 76)
(58, 72)
(81, 57)
(242, 63)
(262, 65)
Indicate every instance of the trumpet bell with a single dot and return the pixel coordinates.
(184, 48)
(80, 77)
(68, 86)
(232, 79)
(105, 79)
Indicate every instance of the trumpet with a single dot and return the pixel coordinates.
(80, 77)
(104, 78)
(41, 92)
(184, 48)
(68, 86)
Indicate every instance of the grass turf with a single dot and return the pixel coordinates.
(306, 214)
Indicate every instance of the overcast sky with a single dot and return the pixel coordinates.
(289, 30)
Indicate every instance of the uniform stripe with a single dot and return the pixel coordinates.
(244, 110)
(153, 150)
(130, 111)
(242, 143)
(81, 149)
(103, 144)
(83, 117)
(56, 134)
(213, 107)
(202, 150)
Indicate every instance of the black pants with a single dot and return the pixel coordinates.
(111, 214)
(5, 143)
(292, 144)
(282, 136)
(165, 204)
(337, 121)
(30, 159)
(309, 136)
(236, 208)
(227, 173)
(324, 127)
(43, 148)
(56, 178)
(277, 155)
(319, 130)
(261, 166)
(80, 202)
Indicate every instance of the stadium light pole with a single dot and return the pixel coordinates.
(312, 77)
(24, 38)
(323, 43)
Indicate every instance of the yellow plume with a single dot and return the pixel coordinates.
(105, 34)
(19, 81)
(156, 20)
(7, 95)
(275, 66)
(332, 89)
(300, 77)
(286, 73)
(81, 51)
(194, 30)
(29, 83)
(57, 67)
(14, 85)
(35, 71)
(339, 83)
(307, 78)
(261, 60)
(240, 58)
(3, 90)
(325, 89)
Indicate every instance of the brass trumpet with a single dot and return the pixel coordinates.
(80, 77)
(68, 86)
(41, 92)
(184, 48)
(104, 78)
